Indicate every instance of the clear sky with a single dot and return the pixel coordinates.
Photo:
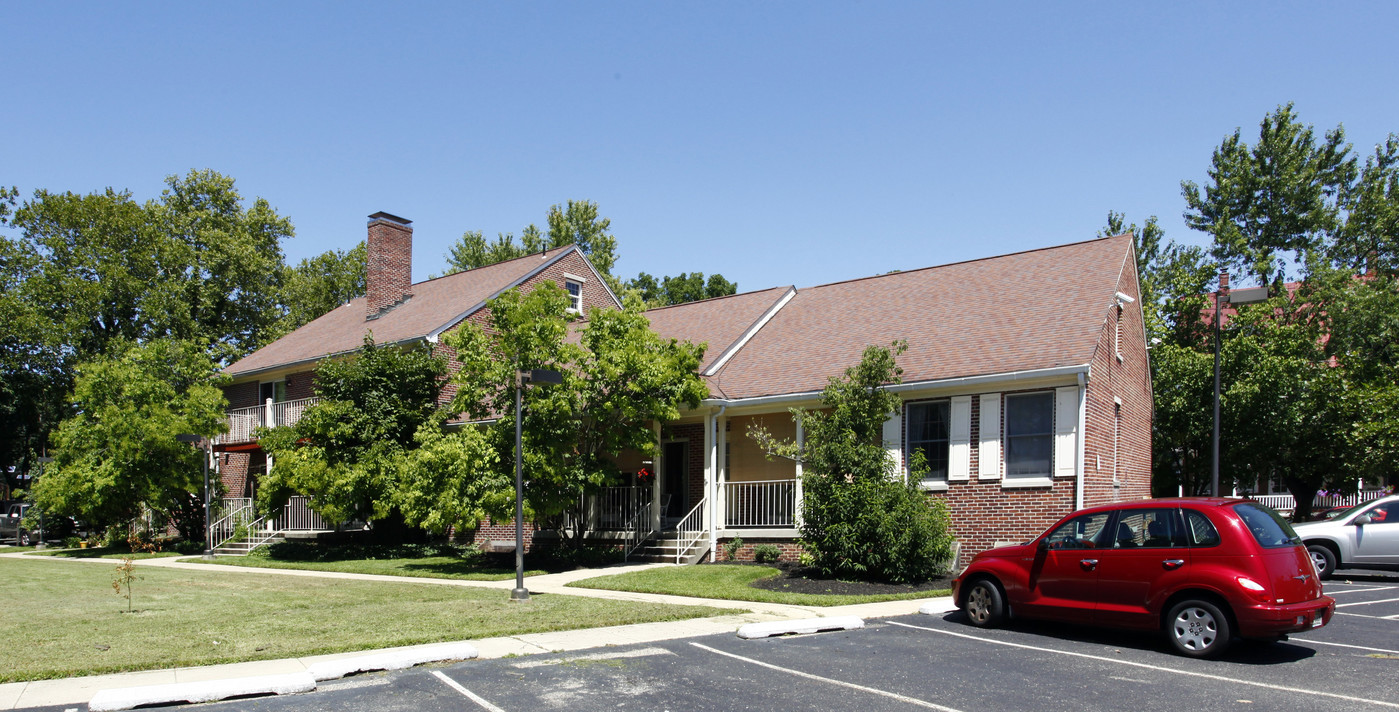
(773, 142)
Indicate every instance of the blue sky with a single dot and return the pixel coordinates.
(773, 142)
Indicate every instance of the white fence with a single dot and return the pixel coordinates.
(296, 516)
(770, 503)
(1285, 503)
(242, 421)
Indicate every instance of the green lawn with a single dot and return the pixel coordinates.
(64, 619)
(729, 583)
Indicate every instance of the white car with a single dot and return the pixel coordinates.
(1363, 537)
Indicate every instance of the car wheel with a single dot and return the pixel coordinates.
(1198, 629)
(985, 606)
(1324, 559)
(24, 538)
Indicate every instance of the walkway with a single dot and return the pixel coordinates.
(79, 690)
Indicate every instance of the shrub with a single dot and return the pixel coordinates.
(766, 553)
(731, 548)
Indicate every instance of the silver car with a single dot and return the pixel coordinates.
(1363, 537)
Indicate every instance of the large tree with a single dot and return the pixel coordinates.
(316, 285)
(620, 380)
(685, 287)
(345, 450)
(119, 452)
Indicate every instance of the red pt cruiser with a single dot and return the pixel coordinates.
(1200, 569)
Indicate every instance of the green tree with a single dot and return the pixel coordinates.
(619, 381)
(683, 288)
(346, 450)
(472, 250)
(119, 452)
(319, 284)
(860, 516)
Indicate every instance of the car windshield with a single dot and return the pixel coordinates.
(1267, 526)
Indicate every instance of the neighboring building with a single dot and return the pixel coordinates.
(1025, 383)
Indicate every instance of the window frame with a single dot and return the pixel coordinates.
(1009, 437)
(909, 442)
(575, 300)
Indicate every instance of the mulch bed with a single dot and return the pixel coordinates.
(800, 579)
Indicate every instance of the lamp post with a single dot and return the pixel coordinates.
(41, 545)
(203, 444)
(538, 375)
(1252, 295)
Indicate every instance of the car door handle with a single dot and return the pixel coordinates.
(1088, 564)
(1172, 564)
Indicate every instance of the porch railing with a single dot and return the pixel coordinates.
(297, 516)
(770, 504)
(235, 523)
(637, 531)
(617, 506)
(1285, 503)
(242, 421)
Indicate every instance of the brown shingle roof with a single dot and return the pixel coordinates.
(720, 322)
(435, 304)
(1030, 310)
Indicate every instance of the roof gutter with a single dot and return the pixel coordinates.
(1081, 371)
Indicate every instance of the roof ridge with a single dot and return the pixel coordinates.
(966, 262)
(493, 264)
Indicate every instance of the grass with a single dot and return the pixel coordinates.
(729, 583)
(64, 619)
(414, 561)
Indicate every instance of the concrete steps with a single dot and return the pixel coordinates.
(243, 547)
(665, 548)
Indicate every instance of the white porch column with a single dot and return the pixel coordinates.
(721, 438)
(801, 444)
(267, 414)
(656, 465)
(710, 493)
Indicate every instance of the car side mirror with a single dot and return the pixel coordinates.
(1361, 520)
(1043, 545)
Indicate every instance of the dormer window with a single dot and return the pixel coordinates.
(574, 286)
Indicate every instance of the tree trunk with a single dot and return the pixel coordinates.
(1303, 494)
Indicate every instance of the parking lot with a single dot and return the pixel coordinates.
(918, 662)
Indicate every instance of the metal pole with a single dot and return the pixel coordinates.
(520, 593)
(1214, 462)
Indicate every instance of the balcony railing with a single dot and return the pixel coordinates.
(768, 504)
(242, 421)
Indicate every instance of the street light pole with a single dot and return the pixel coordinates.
(1252, 295)
(539, 375)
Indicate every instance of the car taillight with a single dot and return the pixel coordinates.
(1253, 588)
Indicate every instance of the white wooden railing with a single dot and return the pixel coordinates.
(689, 531)
(242, 421)
(297, 516)
(234, 523)
(770, 503)
(617, 506)
(1285, 503)
(637, 531)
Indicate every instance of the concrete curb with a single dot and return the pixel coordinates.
(798, 627)
(391, 660)
(938, 606)
(207, 691)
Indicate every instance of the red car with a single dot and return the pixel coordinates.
(1200, 569)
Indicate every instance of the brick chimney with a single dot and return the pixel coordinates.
(389, 272)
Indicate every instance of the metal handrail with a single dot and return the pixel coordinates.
(638, 530)
(692, 524)
(227, 527)
(766, 503)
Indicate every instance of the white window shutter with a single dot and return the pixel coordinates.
(1066, 431)
(894, 440)
(989, 442)
(959, 445)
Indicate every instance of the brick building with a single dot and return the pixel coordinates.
(1025, 383)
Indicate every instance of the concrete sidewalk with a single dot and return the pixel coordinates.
(79, 690)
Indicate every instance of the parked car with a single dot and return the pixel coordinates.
(1202, 570)
(1363, 537)
(12, 525)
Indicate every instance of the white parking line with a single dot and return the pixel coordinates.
(467, 693)
(1130, 663)
(841, 683)
(1366, 603)
(1362, 615)
(1361, 590)
(1357, 647)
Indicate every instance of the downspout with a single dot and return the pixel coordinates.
(1082, 439)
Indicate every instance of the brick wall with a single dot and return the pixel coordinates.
(789, 549)
(238, 471)
(1117, 460)
(301, 385)
(241, 395)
